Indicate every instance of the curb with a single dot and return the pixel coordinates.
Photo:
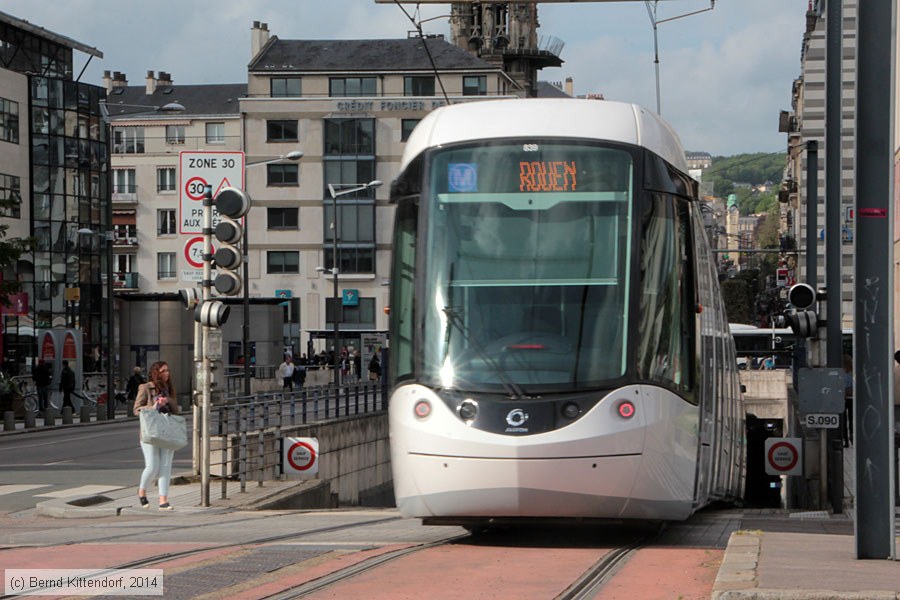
(78, 507)
(24, 431)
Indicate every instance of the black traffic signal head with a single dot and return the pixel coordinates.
(802, 296)
(212, 313)
(231, 203)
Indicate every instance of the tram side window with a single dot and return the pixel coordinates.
(403, 292)
(666, 321)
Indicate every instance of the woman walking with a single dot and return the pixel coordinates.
(157, 394)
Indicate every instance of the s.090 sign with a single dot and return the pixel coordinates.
(822, 421)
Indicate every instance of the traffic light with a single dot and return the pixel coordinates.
(212, 313)
(232, 204)
(801, 319)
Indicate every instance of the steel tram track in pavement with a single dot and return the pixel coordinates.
(168, 556)
(585, 587)
(346, 573)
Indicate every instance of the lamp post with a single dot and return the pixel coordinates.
(335, 270)
(654, 22)
(245, 330)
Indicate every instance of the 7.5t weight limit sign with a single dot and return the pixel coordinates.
(198, 170)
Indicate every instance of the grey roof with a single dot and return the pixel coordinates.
(364, 56)
(211, 99)
(546, 89)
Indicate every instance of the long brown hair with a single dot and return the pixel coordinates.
(168, 388)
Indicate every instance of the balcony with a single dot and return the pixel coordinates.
(125, 194)
(125, 241)
(125, 282)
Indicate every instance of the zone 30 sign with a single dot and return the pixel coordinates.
(198, 170)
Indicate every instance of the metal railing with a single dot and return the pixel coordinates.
(245, 431)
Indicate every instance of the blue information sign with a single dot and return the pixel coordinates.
(350, 298)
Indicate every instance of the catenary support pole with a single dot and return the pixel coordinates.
(873, 281)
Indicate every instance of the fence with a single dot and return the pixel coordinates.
(245, 431)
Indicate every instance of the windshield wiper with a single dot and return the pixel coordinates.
(454, 318)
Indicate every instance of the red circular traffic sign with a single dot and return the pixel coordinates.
(301, 456)
(191, 255)
(783, 456)
(193, 185)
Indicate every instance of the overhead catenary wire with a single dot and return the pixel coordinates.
(418, 27)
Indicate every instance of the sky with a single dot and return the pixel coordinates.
(724, 74)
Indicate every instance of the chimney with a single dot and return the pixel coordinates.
(107, 80)
(151, 83)
(259, 36)
(570, 87)
(164, 79)
(119, 80)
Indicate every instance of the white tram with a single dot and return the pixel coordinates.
(559, 346)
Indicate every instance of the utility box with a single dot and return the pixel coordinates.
(821, 390)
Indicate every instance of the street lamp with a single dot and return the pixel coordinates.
(335, 270)
(294, 156)
(651, 12)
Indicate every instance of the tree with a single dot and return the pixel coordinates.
(10, 250)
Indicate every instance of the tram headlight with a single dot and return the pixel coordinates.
(422, 409)
(625, 409)
(467, 410)
(570, 410)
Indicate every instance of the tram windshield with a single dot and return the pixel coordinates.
(527, 266)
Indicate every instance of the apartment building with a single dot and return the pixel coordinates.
(805, 123)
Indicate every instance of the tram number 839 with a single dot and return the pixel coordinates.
(822, 421)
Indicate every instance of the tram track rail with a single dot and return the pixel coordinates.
(168, 556)
(341, 575)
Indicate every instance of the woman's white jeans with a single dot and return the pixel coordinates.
(157, 461)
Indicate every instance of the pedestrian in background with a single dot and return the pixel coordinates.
(286, 371)
(157, 394)
(134, 382)
(43, 376)
(67, 384)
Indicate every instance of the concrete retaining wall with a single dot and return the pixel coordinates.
(354, 458)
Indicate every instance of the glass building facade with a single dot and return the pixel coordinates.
(68, 200)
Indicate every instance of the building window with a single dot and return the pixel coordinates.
(350, 136)
(282, 218)
(356, 236)
(123, 182)
(474, 85)
(352, 317)
(165, 265)
(11, 193)
(284, 87)
(9, 121)
(128, 140)
(166, 222)
(283, 175)
(174, 134)
(406, 128)
(215, 133)
(343, 87)
(282, 262)
(165, 179)
(281, 131)
(420, 85)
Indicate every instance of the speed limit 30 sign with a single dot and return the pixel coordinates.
(198, 170)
